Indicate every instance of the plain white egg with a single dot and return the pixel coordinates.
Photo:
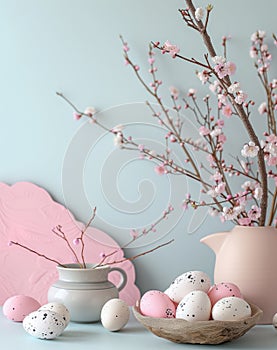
(115, 314)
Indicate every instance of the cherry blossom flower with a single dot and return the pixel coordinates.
(248, 185)
(216, 132)
(234, 88)
(199, 13)
(259, 34)
(174, 92)
(230, 213)
(262, 108)
(258, 192)
(222, 98)
(250, 150)
(160, 169)
(254, 213)
(227, 111)
(231, 68)
(192, 93)
(219, 59)
(217, 176)
(253, 52)
(90, 111)
(272, 161)
(220, 188)
(77, 116)
(220, 123)
(240, 97)
(215, 87)
(76, 241)
(222, 138)
(203, 131)
(221, 70)
(272, 149)
(203, 76)
(173, 50)
(118, 140)
(244, 221)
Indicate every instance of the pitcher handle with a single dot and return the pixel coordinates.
(123, 280)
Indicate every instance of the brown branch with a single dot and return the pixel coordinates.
(144, 232)
(141, 254)
(62, 235)
(82, 235)
(37, 253)
(203, 30)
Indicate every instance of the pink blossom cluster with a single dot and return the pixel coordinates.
(241, 206)
(256, 199)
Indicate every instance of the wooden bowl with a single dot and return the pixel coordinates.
(200, 332)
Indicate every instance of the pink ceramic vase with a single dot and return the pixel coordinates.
(247, 257)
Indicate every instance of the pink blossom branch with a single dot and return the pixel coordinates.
(136, 237)
(141, 254)
(244, 118)
(83, 233)
(164, 110)
(58, 231)
(177, 168)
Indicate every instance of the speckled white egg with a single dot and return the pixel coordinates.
(231, 309)
(195, 306)
(274, 321)
(44, 324)
(115, 314)
(58, 308)
(186, 283)
(17, 307)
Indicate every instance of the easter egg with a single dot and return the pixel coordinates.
(231, 309)
(195, 306)
(223, 290)
(44, 324)
(17, 307)
(274, 321)
(155, 303)
(115, 314)
(59, 309)
(186, 283)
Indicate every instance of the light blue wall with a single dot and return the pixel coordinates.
(73, 46)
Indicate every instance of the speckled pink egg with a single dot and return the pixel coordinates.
(223, 290)
(16, 308)
(155, 303)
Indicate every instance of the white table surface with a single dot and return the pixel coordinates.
(133, 337)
